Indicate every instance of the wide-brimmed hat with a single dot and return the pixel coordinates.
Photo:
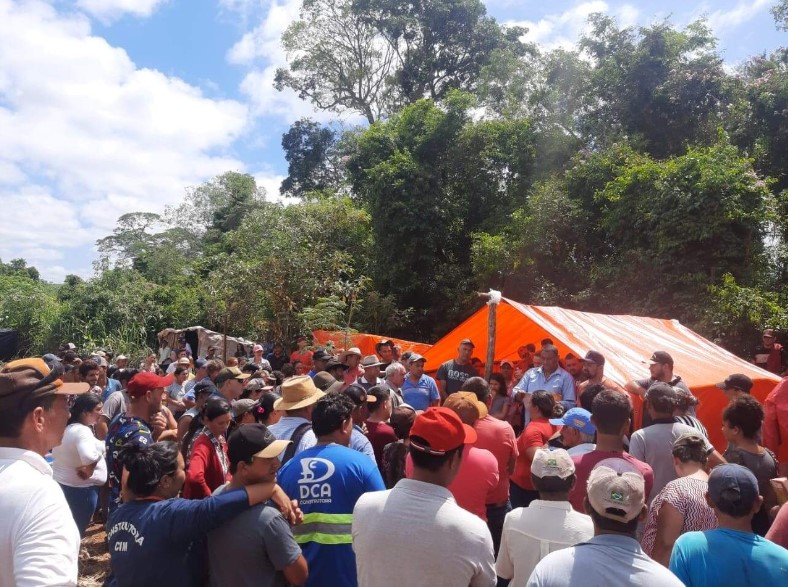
(381, 343)
(33, 377)
(298, 392)
(354, 350)
(371, 361)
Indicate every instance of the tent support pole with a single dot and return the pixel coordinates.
(492, 310)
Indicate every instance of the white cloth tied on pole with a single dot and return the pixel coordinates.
(494, 297)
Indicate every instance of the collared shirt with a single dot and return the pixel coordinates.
(602, 561)
(286, 426)
(559, 383)
(420, 394)
(459, 551)
(530, 534)
(39, 541)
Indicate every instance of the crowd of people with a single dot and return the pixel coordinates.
(326, 467)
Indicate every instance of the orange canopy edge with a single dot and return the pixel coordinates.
(627, 342)
(365, 342)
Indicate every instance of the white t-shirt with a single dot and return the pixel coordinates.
(530, 534)
(79, 448)
(436, 541)
(39, 541)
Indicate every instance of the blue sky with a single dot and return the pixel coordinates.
(112, 106)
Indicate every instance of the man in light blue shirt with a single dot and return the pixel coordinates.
(731, 554)
(616, 502)
(549, 377)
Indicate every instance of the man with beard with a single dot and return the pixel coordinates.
(660, 369)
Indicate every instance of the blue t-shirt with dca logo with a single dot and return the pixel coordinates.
(327, 481)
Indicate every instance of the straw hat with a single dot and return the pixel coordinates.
(298, 392)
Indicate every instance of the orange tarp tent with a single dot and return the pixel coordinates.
(626, 342)
(365, 342)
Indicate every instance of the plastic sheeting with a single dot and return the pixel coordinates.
(627, 342)
(205, 338)
(365, 342)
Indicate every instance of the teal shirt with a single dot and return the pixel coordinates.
(728, 557)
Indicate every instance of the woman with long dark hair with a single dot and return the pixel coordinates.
(209, 466)
(79, 464)
(539, 430)
(155, 537)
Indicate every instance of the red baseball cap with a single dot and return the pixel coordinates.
(146, 381)
(442, 430)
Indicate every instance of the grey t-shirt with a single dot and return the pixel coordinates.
(252, 549)
(654, 445)
(115, 405)
(454, 375)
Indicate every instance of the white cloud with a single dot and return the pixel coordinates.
(721, 20)
(109, 10)
(97, 135)
(563, 30)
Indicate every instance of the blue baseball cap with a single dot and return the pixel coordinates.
(576, 418)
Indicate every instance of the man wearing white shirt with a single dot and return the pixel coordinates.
(39, 540)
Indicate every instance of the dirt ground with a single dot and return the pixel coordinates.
(93, 557)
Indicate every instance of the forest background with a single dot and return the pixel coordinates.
(636, 175)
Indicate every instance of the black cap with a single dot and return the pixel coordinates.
(320, 355)
(737, 381)
(334, 363)
(253, 440)
(594, 357)
(661, 357)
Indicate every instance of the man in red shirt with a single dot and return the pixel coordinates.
(610, 414)
(775, 424)
(379, 433)
(497, 437)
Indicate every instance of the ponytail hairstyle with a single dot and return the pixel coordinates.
(86, 402)
(213, 408)
(147, 464)
(545, 403)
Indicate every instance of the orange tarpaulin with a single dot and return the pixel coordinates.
(626, 342)
(365, 342)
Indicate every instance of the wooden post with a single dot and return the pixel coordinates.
(492, 309)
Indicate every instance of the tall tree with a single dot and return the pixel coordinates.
(309, 151)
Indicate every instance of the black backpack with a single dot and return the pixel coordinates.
(298, 434)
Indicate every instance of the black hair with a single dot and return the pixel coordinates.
(288, 370)
(587, 398)
(380, 393)
(216, 407)
(478, 386)
(547, 342)
(660, 401)
(266, 404)
(531, 347)
(609, 525)
(502, 389)
(330, 412)
(87, 366)
(553, 484)
(545, 403)
(692, 448)
(12, 419)
(401, 421)
(147, 464)
(425, 460)
(570, 356)
(86, 402)
(179, 370)
(249, 368)
(125, 375)
(732, 504)
(611, 410)
(279, 376)
(111, 372)
(745, 413)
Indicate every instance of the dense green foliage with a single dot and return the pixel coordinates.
(632, 175)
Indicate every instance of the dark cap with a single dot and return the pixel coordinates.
(204, 387)
(253, 440)
(733, 486)
(737, 381)
(662, 358)
(334, 363)
(594, 357)
(230, 373)
(467, 341)
(662, 396)
(320, 355)
(23, 378)
(200, 363)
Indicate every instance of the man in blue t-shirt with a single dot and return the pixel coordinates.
(419, 390)
(732, 554)
(327, 480)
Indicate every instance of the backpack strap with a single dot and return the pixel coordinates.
(298, 434)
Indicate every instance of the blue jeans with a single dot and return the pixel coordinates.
(82, 501)
(520, 497)
(495, 517)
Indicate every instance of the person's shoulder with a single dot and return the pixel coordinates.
(695, 540)
(483, 455)
(371, 500)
